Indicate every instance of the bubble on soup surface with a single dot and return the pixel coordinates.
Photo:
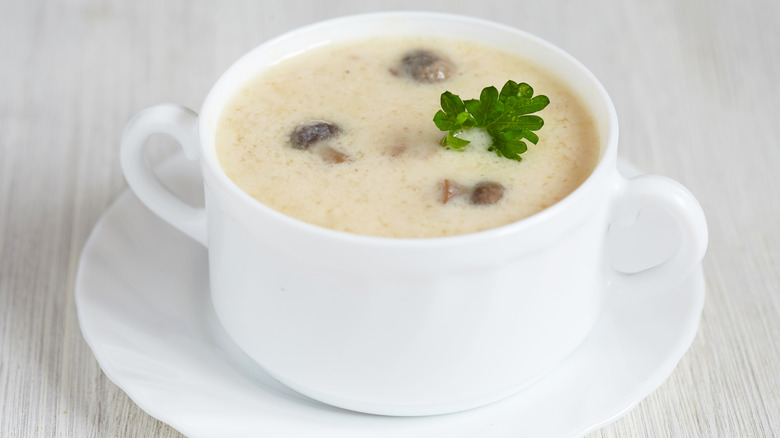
(426, 66)
(313, 131)
(486, 193)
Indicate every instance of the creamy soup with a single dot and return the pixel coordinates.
(342, 136)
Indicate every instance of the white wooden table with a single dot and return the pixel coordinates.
(697, 89)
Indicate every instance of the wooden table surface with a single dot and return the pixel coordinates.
(695, 83)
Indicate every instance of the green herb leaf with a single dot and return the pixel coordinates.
(455, 142)
(505, 116)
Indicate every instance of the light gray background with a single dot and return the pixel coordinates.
(696, 89)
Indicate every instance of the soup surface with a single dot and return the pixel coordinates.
(342, 136)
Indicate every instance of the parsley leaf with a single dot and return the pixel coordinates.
(505, 116)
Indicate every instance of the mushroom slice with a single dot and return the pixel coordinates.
(332, 156)
(451, 189)
(313, 131)
(487, 193)
(427, 67)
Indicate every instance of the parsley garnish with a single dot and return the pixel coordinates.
(504, 116)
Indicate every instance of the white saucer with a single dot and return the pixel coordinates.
(143, 306)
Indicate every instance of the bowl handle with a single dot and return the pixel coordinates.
(639, 192)
(181, 123)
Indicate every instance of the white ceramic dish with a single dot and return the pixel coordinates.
(144, 309)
